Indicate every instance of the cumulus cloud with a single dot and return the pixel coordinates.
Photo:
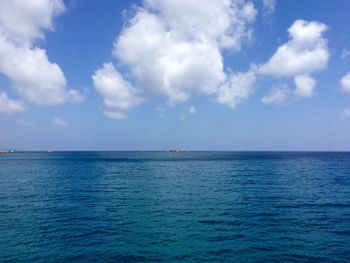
(236, 89)
(21, 22)
(59, 122)
(35, 78)
(277, 95)
(345, 82)
(306, 52)
(269, 6)
(174, 48)
(118, 93)
(8, 105)
(191, 20)
(304, 85)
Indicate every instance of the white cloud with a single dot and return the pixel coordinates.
(59, 122)
(304, 85)
(191, 110)
(8, 105)
(174, 48)
(192, 20)
(277, 95)
(236, 89)
(166, 65)
(269, 6)
(118, 93)
(346, 113)
(116, 115)
(306, 52)
(21, 21)
(34, 77)
(345, 82)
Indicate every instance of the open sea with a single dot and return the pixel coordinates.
(175, 207)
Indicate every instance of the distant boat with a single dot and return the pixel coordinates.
(177, 151)
(4, 151)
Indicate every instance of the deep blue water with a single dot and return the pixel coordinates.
(190, 207)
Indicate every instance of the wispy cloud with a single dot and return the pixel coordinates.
(24, 122)
(59, 122)
(116, 115)
(269, 6)
(277, 95)
(10, 106)
(191, 110)
(346, 113)
(345, 53)
(161, 111)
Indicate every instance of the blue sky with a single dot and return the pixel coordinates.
(154, 75)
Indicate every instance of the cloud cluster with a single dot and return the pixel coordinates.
(168, 48)
(304, 53)
(34, 77)
(174, 49)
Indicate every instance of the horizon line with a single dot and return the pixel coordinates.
(181, 152)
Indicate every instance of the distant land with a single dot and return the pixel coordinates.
(5, 151)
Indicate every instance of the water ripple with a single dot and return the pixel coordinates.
(188, 207)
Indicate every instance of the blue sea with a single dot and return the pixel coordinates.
(175, 207)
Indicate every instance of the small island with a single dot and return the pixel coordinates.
(4, 151)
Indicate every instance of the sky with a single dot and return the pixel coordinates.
(231, 75)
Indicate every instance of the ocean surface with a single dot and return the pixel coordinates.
(175, 207)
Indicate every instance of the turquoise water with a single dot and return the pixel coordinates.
(190, 207)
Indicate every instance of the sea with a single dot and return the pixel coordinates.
(175, 207)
